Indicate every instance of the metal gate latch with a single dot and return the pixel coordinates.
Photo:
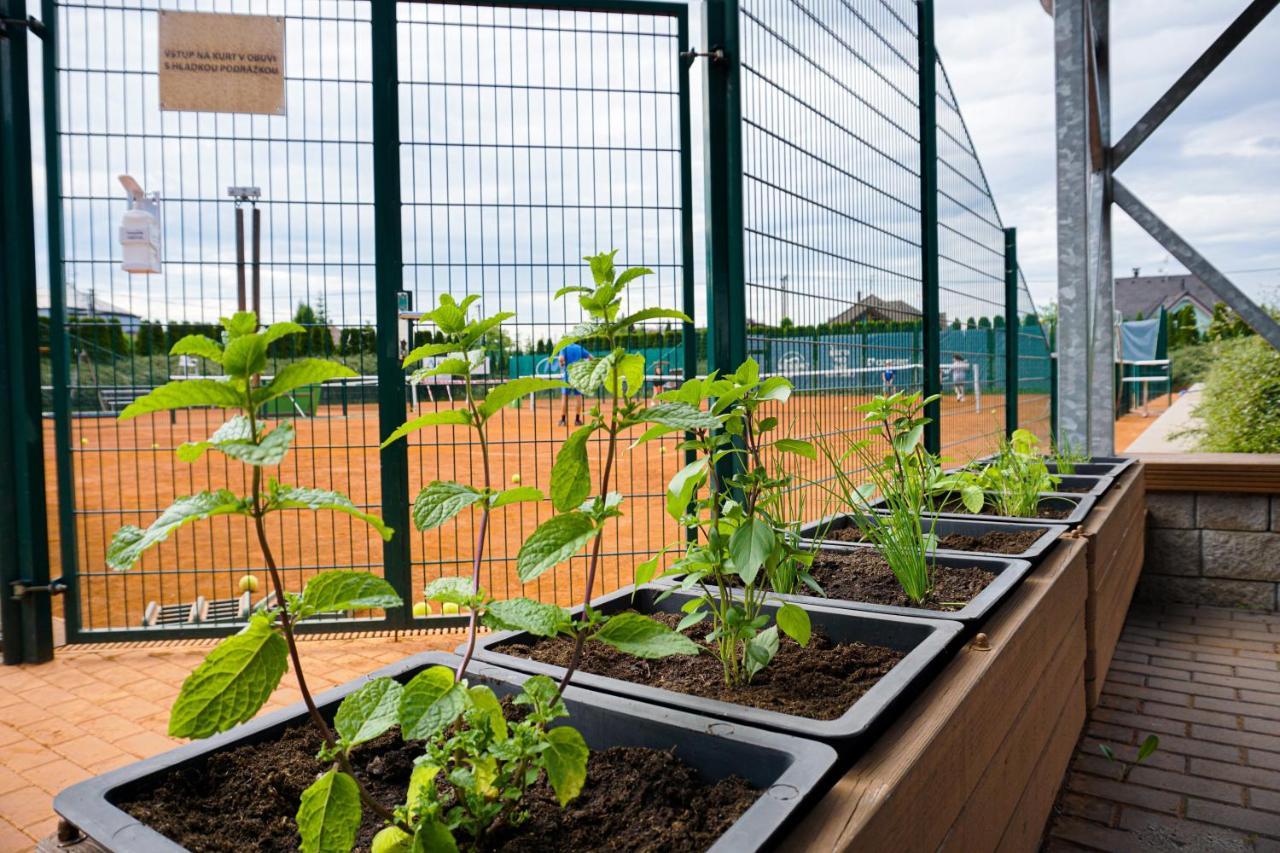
(31, 23)
(716, 55)
(21, 589)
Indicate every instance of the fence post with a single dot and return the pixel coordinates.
(726, 276)
(389, 280)
(1011, 330)
(930, 345)
(24, 540)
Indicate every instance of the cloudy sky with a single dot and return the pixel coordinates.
(1211, 171)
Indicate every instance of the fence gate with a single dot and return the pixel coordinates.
(426, 148)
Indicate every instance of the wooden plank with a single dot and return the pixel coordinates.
(991, 806)
(1114, 606)
(954, 728)
(1026, 830)
(1256, 473)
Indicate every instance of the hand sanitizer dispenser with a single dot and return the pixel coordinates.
(140, 229)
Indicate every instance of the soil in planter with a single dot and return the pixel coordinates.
(991, 542)
(864, 575)
(634, 799)
(819, 681)
(1042, 511)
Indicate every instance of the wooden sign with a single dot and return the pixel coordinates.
(221, 63)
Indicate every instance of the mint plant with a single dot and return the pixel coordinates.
(1017, 476)
(909, 480)
(737, 543)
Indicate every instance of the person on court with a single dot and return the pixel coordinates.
(571, 354)
(959, 369)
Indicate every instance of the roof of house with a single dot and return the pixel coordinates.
(1144, 294)
(890, 309)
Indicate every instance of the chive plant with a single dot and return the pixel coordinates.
(1066, 457)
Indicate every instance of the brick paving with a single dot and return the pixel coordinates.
(97, 708)
(1206, 681)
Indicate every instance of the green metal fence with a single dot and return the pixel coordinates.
(483, 148)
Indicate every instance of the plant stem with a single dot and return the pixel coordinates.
(482, 532)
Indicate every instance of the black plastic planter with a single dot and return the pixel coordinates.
(788, 770)
(924, 640)
(975, 525)
(1083, 484)
(1076, 507)
(1097, 466)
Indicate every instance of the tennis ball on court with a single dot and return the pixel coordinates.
(449, 608)
(248, 583)
(392, 839)
(84, 441)
(422, 609)
(155, 446)
(515, 478)
(662, 448)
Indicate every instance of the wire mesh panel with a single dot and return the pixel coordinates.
(530, 138)
(313, 167)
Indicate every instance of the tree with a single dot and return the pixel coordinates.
(955, 324)
(1183, 330)
(971, 323)
(984, 322)
(998, 321)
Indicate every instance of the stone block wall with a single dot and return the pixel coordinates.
(1212, 548)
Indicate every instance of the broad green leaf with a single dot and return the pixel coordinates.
(679, 416)
(775, 388)
(276, 331)
(338, 590)
(232, 683)
(509, 392)
(520, 494)
(651, 433)
(452, 591)
(444, 417)
(796, 446)
(556, 540)
(295, 497)
(639, 636)
(629, 275)
(577, 333)
(569, 289)
(186, 394)
(477, 330)
(571, 472)
(129, 542)
(630, 370)
(427, 351)
(1149, 745)
(681, 489)
(245, 356)
(440, 501)
(565, 761)
(368, 712)
(198, 345)
(456, 366)
(233, 439)
(645, 571)
(525, 614)
(794, 622)
(237, 429)
(905, 443)
(430, 702)
(589, 374)
(432, 836)
(749, 546)
(484, 701)
(761, 649)
(653, 314)
(298, 374)
(391, 839)
(240, 323)
(329, 815)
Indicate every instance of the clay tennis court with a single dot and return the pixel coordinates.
(126, 473)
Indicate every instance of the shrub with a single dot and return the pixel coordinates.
(1241, 398)
(1190, 364)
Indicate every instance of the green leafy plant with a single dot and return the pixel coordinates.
(909, 481)
(1236, 413)
(727, 497)
(1066, 457)
(1145, 750)
(1015, 479)
(235, 680)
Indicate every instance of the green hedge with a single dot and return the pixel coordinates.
(1241, 398)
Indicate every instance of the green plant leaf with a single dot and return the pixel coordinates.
(298, 374)
(630, 369)
(639, 636)
(440, 501)
(1149, 745)
(444, 417)
(198, 345)
(571, 473)
(679, 416)
(428, 350)
(749, 546)
(681, 489)
(240, 323)
(589, 374)
(453, 591)
(295, 497)
(565, 760)
(329, 815)
(276, 331)
(368, 712)
(234, 439)
(525, 614)
(432, 836)
(1107, 752)
(520, 494)
(483, 700)
(232, 683)
(646, 314)
(796, 446)
(339, 590)
(556, 540)
(508, 392)
(776, 389)
(245, 356)
(761, 649)
(186, 394)
(455, 366)
(430, 702)
(130, 542)
(793, 621)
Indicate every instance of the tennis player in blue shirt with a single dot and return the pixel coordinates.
(569, 355)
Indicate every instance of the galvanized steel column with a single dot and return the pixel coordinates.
(1102, 378)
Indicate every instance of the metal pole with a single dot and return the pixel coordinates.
(27, 620)
(1102, 414)
(930, 343)
(242, 302)
(256, 261)
(389, 279)
(1011, 329)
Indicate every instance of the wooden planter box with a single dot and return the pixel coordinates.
(1115, 539)
(976, 761)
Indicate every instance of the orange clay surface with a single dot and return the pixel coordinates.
(126, 473)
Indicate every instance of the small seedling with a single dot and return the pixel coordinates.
(1148, 746)
(1015, 479)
